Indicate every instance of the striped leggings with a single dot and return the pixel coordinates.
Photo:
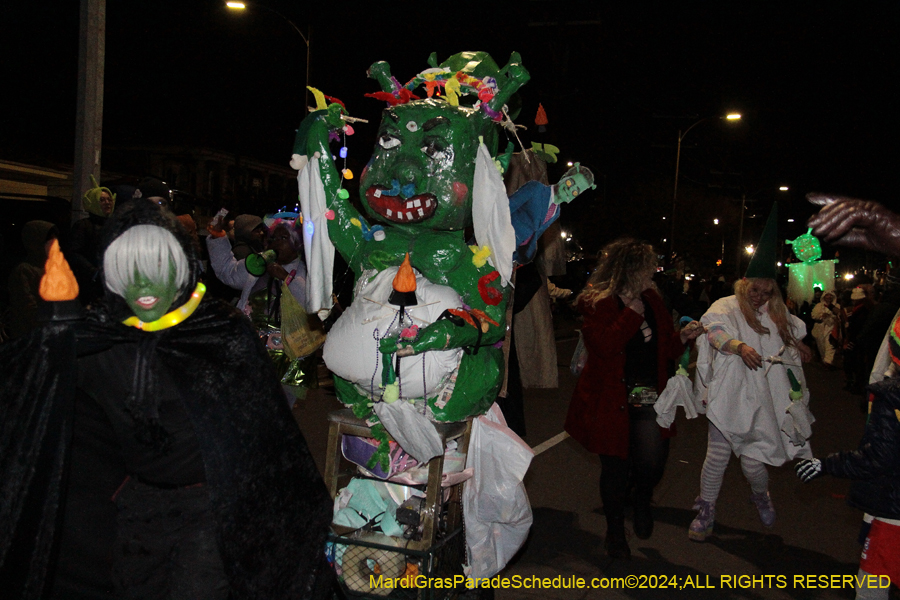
(718, 452)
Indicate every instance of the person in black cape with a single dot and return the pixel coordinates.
(153, 458)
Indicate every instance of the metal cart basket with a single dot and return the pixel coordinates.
(428, 567)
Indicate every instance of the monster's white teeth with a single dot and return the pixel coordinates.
(417, 203)
(378, 193)
(428, 203)
(146, 301)
(409, 215)
(390, 213)
(399, 216)
(421, 213)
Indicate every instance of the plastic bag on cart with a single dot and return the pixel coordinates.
(579, 357)
(495, 506)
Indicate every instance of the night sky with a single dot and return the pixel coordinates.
(813, 81)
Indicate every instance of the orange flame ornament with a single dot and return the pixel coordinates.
(58, 283)
(404, 285)
(405, 279)
(541, 117)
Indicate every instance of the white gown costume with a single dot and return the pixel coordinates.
(750, 407)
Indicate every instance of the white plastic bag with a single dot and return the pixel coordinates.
(579, 357)
(495, 505)
(678, 392)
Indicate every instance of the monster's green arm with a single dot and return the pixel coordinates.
(311, 142)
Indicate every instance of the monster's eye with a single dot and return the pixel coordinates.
(434, 150)
(387, 141)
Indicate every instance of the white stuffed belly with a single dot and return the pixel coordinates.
(351, 350)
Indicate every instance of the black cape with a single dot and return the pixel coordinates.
(269, 500)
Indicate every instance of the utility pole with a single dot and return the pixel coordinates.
(737, 263)
(89, 110)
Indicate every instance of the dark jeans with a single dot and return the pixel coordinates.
(166, 547)
(644, 467)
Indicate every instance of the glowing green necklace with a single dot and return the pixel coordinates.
(173, 318)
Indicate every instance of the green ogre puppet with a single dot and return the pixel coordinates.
(421, 339)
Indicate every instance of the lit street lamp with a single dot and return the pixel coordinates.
(729, 117)
(234, 5)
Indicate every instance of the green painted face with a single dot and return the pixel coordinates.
(571, 187)
(150, 300)
(422, 171)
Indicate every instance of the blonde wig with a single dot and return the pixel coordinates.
(777, 310)
(620, 268)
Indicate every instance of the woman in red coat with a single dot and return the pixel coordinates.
(631, 343)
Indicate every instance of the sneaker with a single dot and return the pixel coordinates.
(765, 507)
(702, 526)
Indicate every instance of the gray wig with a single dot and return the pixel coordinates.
(149, 250)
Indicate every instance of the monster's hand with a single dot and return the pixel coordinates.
(441, 335)
(856, 223)
(807, 470)
(511, 77)
(381, 72)
(518, 73)
(314, 129)
(332, 116)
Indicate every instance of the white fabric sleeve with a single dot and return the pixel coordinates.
(229, 270)
(298, 287)
(317, 246)
(490, 215)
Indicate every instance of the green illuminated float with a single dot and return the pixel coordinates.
(811, 273)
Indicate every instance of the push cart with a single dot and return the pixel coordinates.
(418, 566)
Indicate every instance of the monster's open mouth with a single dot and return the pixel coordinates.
(398, 210)
(147, 302)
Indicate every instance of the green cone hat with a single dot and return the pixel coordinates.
(762, 264)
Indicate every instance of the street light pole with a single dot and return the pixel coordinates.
(681, 135)
(89, 105)
(305, 38)
(722, 233)
(740, 244)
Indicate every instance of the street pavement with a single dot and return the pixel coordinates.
(804, 555)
